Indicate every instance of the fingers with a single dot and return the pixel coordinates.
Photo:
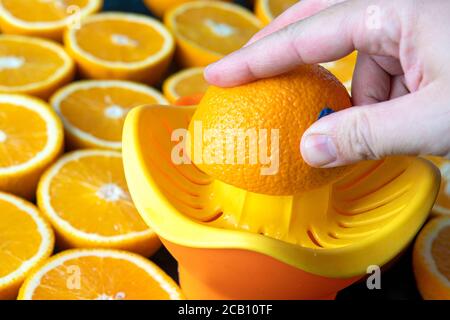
(298, 11)
(308, 42)
(377, 79)
(413, 124)
(398, 87)
(371, 83)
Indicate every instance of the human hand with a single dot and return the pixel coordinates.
(401, 84)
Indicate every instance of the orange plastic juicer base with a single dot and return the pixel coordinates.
(223, 274)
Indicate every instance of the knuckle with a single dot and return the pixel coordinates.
(356, 137)
(291, 35)
(375, 93)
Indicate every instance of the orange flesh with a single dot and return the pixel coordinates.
(440, 251)
(119, 41)
(19, 238)
(37, 63)
(24, 134)
(194, 26)
(102, 277)
(74, 195)
(189, 100)
(192, 85)
(86, 109)
(41, 11)
(277, 7)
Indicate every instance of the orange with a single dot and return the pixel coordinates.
(45, 19)
(97, 274)
(31, 138)
(249, 136)
(159, 7)
(189, 100)
(93, 111)
(26, 239)
(343, 69)
(33, 66)
(431, 260)
(267, 10)
(185, 83)
(206, 31)
(121, 46)
(85, 197)
(442, 205)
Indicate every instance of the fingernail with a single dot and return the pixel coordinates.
(319, 150)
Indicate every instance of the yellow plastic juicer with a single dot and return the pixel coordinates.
(234, 244)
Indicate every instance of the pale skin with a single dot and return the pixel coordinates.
(400, 88)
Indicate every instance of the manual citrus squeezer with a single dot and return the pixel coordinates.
(234, 244)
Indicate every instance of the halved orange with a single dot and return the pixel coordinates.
(98, 274)
(26, 239)
(442, 205)
(44, 18)
(85, 197)
(431, 260)
(31, 138)
(189, 100)
(33, 66)
(267, 10)
(159, 7)
(93, 111)
(185, 83)
(206, 31)
(121, 46)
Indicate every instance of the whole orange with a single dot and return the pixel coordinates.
(249, 136)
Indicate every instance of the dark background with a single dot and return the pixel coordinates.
(397, 281)
(138, 6)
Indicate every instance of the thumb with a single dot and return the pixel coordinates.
(407, 126)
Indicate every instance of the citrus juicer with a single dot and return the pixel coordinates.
(234, 244)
